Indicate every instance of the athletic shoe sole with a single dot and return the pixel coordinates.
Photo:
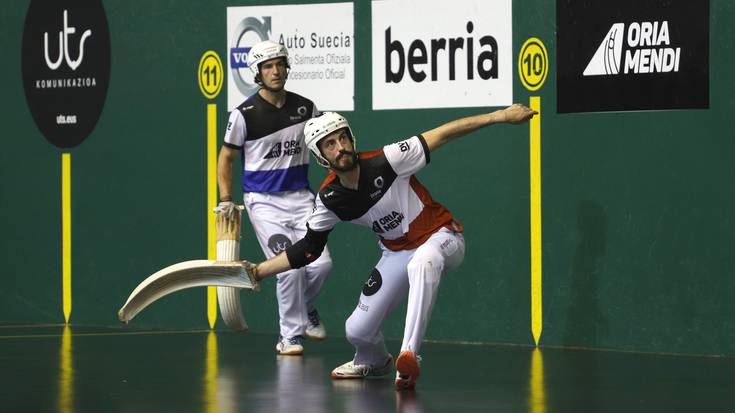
(407, 366)
(335, 376)
(291, 353)
(388, 363)
(317, 338)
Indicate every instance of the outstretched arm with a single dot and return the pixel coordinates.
(272, 266)
(303, 252)
(514, 114)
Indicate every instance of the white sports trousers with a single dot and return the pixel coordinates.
(279, 220)
(415, 273)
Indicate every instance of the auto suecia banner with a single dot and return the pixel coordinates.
(632, 55)
(320, 42)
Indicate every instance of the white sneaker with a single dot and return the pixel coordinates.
(315, 329)
(350, 370)
(289, 346)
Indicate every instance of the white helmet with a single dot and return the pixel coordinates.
(319, 127)
(265, 50)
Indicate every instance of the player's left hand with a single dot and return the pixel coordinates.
(252, 270)
(518, 113)
(227, 209)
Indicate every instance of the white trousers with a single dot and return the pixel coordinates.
(279, 220)
(413, 273)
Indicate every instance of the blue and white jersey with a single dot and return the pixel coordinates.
(271, 141)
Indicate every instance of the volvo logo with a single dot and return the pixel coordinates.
(240, 47)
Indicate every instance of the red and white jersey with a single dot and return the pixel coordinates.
(389, 199)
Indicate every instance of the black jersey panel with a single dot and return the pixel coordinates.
(263, 119)
(376, 176)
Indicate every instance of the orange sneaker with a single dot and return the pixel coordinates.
(407, 366)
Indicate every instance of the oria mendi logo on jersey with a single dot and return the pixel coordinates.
(632, 55)
(647, 50)
(388, 222)
(287, 148)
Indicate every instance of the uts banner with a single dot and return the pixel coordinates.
(458, 56)
(320, 43)
(632, 55)
(65, 63)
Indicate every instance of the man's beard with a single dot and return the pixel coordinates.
(352, 166)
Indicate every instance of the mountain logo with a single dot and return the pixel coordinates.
(606, 60)
(274, 152)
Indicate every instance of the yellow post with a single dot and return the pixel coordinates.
(210, 77)
(535, 161)
(211, 204)
(66, 235)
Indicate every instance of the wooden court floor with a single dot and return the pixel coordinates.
(77, 369)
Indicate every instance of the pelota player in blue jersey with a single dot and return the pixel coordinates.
(267, 133)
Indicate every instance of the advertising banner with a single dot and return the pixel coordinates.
(320, 42)
(632, 55)
(427, 54)
(65, 64)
